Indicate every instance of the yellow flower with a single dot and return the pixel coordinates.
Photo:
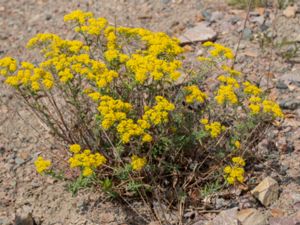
(255, 108)
(87, 171)
(147, 138)
(138, 163)
(195, 94)
(215, 129)
(238, 160)
(226, 94)
(230, 180)
(227, 169)
(42, 165)
(272, 107)
(204, 121)
(75, 148)
(237, 144)
(251, 89)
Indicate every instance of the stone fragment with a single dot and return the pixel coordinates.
(24, 219)
(251, 217)
(247, 34)
(290, 103)
(266, 191)
(291, 77)
(200, 33)
(290, 11)
(226, 217)
(293, 219)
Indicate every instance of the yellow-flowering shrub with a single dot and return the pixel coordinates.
(115, 97)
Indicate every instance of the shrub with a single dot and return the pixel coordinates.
(138, 121)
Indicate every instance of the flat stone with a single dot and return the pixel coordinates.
(293, 77)
(247, 34)
(266, 191)
(290, 11)
(290, 103)
(251, 217)
(226, 217)
(293, 219)
(200, 33)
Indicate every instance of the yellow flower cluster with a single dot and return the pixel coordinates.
(251, 89)
(128, 129)
(53, 46)
(267, 106)
(86, 160)
(138, 163)
(231, 71)
(219, 50)
(159, 113)
(145, 67)
(214, 128)
(112, 111)
(272, 107)
(78, 16)
(229, 81)
(236, 171)
(8, 65)
(237, 144)
(195, 94)
(70, 58)
(226, 94)
(29, 76)
(113, 51)
(41, 164)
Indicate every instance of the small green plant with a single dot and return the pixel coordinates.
(210, 188)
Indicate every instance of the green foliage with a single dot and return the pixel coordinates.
(210, 188)
(80, 183)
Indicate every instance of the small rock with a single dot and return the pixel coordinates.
(48, 17)
(288, 220)
(292, 77)
(226, 217)
(206, 15)
(277, 212)
(233, 20)
(200, 52)
(258, 20)
(200, 33)
(281, 85)
(290, 103)
(163, 213)
(165, 1)
(220, 203)
(290, 11)
(25, 219)
(247, 34)
(266, 191)
(251, 217)
(215, 16)
(19, 161)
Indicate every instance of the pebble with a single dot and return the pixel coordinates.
(247, 34)
(290, 11)
(226, 217)
(290, 103)
(266, 191)
(251, 217)
(281, 85)
(200, 33)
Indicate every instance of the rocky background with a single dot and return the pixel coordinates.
(265, 55)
